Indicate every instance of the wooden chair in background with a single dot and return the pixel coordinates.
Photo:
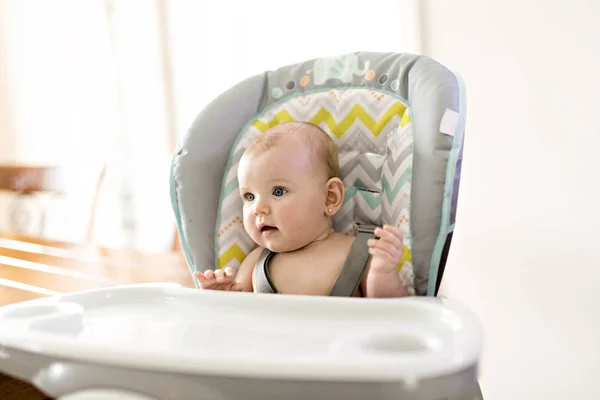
(26, 181)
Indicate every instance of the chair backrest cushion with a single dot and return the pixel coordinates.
(398, 122)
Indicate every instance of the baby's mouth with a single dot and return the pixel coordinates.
(267, 229)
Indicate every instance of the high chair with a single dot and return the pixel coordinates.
(398, 121)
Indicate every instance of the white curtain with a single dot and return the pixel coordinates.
(119, 82)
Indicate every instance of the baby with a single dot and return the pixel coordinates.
(289, 180)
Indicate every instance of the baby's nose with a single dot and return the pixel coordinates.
(261, 207)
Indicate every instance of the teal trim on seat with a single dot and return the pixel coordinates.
(175, 206)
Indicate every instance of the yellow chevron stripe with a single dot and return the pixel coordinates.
(357, 112)
(405, 119)
(406, 256)
(282, 116)
(233, 252)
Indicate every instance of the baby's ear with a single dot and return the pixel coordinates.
(334, 196)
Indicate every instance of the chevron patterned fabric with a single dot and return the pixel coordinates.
(373, 133)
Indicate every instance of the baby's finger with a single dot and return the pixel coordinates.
(219, 274)
(209, 274)
(230, 271)
(382, 254)
(199, 276)
(389, 237)
(204, 283)
(390, 249)
(397, 232)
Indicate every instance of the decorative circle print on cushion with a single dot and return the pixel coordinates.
(373, 134)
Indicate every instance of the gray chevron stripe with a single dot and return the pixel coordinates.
(393, 214)
(392, 217)
(345, 217)
(378, 109)
(233, 208)
(354, 139)
(395, 164)
(393, 179)
(400, 141)
(235, 157)
(372, 144)
(374, 172)
(356, 214)
(238, 154)
(247, 137)
(375, 108)
(361, 217)
(401, 197)
(357, 140)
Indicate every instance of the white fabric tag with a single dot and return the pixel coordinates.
(449, 122)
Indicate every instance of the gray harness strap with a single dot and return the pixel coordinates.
(262, 280)
(348, 278)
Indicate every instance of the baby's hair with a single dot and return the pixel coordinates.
(323, 147)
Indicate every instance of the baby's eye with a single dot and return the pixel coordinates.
(279, 192)
(248, 197)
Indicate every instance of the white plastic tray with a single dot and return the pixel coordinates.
(165, 327)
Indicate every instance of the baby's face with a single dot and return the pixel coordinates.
(284, 197)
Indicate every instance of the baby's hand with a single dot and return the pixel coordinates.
(217, 280)
(387, 250)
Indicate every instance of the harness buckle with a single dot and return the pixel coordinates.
(366, 228)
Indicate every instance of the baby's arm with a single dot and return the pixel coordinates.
(231, 279)
(382, 278)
